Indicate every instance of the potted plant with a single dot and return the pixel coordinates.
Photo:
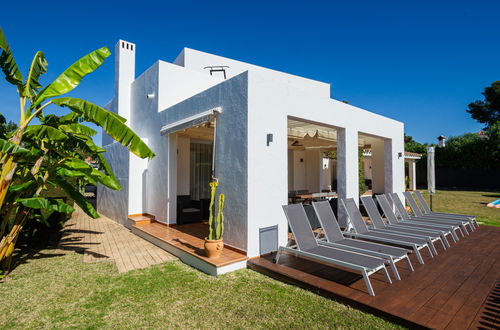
(214, 243)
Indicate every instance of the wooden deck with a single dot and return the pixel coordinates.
(187, 243)
(103, 239)
(458, 289)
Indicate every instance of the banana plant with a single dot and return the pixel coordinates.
(52, 153)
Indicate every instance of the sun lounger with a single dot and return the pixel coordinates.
(393, 225)
(432, 222)
(426, 209)
(459, 219)
(307, 246)
(362, 231)
(335, 238)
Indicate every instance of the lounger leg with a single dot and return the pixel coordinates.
(276, 260)
(445, 239)
(461, 231)
(394, 270)
(441, 239)
(409, 264)
(432, 248)
(387, 277)
(418, 255)
(367, 283)
(464, 229)
(454, 234)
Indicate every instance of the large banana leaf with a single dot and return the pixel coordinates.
(86, 143)
(44, 132)
(111, 124)
(74, 117)
(78, 168)
(79, 199)
(72, 76)
(78, 129)
(108, 171)
(22, 186)
(8, 64)
(74, 167)
(46, 204)
(109, 182)
(38, 67)
(7, 147)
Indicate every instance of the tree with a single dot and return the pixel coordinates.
(52, 153)
(487, 111)
(6, 128)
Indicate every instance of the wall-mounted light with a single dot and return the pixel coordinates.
(150, 96)
(400, 154)
(269, 139)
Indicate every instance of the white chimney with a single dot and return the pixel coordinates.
(124, 76)
(441, 141)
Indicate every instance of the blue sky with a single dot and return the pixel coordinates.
(418, 62)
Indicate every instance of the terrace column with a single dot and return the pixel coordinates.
(378, 172)
(388, 166)
(347, 169)
(412, 174)
(382, 166)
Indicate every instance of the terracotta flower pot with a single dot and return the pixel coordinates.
(213, 248)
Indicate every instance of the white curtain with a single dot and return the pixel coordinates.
(200, 170)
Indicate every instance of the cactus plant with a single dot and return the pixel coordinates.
(215, 223)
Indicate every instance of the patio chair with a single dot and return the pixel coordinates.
(460, 219)
(307, 246)
(392, 225)
(362, 231)
(431, 222)
(335, 238)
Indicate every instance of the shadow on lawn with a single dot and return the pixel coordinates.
(492, 195)
(68, 239)
(23, 254)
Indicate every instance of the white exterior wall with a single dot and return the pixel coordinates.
(252, 175)
(299, 170)
(313, 169)
(196, 60)
(178, 84)
(272, 104)
(124, 76)
(115, 204)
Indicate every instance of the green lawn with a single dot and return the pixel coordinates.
(467, 202)
(56, 289)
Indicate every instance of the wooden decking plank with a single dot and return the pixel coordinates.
(488, 315)
(472, 307)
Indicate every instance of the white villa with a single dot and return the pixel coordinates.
(266, 132)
